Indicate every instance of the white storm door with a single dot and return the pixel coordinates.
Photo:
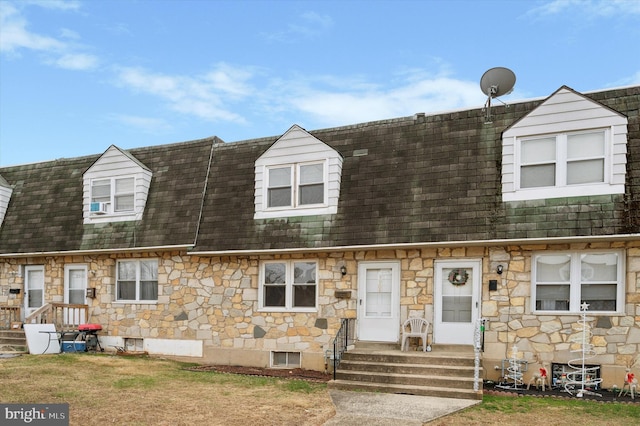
(379, 301)
(457, 292)
(33, 288)
(75, 292)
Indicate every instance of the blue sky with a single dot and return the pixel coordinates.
(78, 76)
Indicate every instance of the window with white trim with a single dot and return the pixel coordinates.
(113, 195)
(296, 185)
(137, 280)
(563, 159)
(562, 281)
(288, 285)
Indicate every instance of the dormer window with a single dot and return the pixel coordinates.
(299, 175)
(569, 146)
(116, 187)
(296, 185)
(115, 195)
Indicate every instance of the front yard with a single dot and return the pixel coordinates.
(122, 390)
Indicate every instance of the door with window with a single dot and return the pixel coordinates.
(457, 292)
(75, 292)
(33, 288)
(379, 301)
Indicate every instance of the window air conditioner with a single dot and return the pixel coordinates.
(99, 208)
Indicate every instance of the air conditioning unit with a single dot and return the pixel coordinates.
(99, 208)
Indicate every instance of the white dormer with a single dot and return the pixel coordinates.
(5, 196)
(115, 188)
(299, 175)
(568, 146)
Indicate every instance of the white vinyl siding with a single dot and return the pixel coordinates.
(567, 146)
(298, 175)
(121, 182)
(5, 196)
(563, 281)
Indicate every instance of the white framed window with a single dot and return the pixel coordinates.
(113, 195)
(288, 285)
(75, 284)
(563, 281)
(296, 185)
(564, 159)
(285, 359)
(137, 280)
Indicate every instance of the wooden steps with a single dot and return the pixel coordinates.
(13, 341)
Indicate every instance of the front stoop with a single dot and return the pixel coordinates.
(13, 341)
(447, 371)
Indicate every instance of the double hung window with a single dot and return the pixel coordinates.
(113, 195)
(137, 280)
(288, 285)
(564, 281)
(296, 185)
(563, 160)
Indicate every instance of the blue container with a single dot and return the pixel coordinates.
(74, 346)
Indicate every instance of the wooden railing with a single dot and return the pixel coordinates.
(8, 316)
(65, 316)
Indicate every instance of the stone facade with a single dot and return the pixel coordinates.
(213, 300)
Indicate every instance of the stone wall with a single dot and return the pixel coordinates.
(215, 300)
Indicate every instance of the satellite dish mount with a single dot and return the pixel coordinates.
(495, 83)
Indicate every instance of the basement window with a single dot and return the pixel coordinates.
(285, 359)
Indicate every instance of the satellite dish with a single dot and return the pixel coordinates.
(494, 83)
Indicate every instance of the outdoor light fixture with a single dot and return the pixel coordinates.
(343, 270)
(499, 269)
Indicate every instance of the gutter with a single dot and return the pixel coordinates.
(439, 244)
(184, 247)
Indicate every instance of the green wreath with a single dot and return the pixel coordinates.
(458, 276)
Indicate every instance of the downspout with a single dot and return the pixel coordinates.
(204, 192)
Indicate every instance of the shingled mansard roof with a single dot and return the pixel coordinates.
(419, 179)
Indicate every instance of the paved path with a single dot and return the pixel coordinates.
(381, 409)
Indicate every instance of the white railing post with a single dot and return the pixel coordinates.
(477, 347)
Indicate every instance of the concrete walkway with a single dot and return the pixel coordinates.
(381, 409)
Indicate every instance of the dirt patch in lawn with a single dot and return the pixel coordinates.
(282, 373)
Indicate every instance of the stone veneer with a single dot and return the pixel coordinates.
(215, 300)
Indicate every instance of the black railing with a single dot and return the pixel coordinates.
(344, 338)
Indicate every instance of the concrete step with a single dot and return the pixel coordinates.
(440, 392)
(406, 379)
(447, 371)
(408, 368)
(424, 358)
(13, 341)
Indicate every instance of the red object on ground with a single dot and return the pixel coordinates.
(89, 327)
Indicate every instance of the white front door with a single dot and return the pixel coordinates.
(75, 292)
(457, 292)
(379, 301)
(33, 288)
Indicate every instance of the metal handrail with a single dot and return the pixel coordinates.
(343, 339)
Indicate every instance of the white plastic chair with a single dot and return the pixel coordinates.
(416, 327)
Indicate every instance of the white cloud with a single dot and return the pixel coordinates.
(589, 8)
(16, 37)
(76, 61)
(207, 97)
(14, 34)
(146, 124)
(55, 4)
(407, 97)
(309, 25)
